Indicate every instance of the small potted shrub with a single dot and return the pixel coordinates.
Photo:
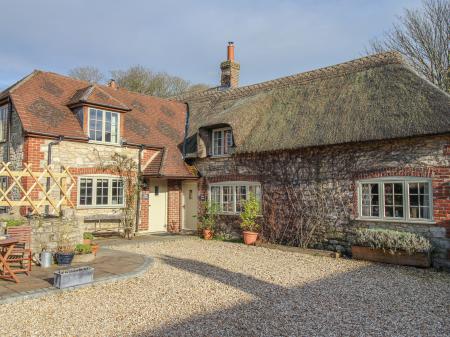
(390, 246)
(83, 253)
(251, 211)
(87, 238)
(95, 247)
(64, 255)
(208, 220)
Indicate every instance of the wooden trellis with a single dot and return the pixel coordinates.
(35, 193)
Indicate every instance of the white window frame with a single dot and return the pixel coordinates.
(223, 142)
(405, 181)
(3, 122)
(94, 191)
(234, 184)
(103, 141)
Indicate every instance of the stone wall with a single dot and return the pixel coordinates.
(336, 169)
(47, 232)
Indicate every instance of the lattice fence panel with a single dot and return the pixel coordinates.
(36, 188)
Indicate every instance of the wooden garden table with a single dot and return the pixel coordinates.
(6, 248)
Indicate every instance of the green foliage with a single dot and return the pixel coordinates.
(250, 214)
(13, 222)
(392, 241)
(208, 216)
(88, 236)
(83, 249)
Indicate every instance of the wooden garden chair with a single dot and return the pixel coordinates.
(21, 256)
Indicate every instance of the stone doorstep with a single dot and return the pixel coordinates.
(31, 294)
(314, 252)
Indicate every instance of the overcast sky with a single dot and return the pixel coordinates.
(188, 38)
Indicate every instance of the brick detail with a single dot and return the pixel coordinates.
(174, 206)
(143, 220)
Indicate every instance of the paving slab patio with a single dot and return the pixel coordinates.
(108, 265)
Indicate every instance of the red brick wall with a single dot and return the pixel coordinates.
(174, 206)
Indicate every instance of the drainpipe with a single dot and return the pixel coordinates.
(49, 161)
(138, 198)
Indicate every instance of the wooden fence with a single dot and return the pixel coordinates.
(36, 189)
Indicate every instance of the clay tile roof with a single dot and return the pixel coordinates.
(371, 98)
(93, 94)
(43, 100)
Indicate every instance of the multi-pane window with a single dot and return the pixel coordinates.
(231, 195)
(104, 126)
(396, 199)
(100, 191)
(222, 141)
(117, 191)
(3, 122)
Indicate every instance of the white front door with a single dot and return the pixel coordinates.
(190, 204)
(157, 209)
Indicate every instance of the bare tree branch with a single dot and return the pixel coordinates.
(422, 36)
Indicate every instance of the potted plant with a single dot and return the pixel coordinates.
(83, 253)
(251, 211)
(390, 246)
(64, 255)
(87, 238)
(95, 247)
(208, 219)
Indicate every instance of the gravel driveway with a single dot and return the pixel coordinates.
(200, 288)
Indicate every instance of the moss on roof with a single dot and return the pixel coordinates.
(378, 101)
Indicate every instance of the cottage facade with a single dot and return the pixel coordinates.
(361, 144)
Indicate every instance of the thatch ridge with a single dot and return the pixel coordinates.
(373, 98)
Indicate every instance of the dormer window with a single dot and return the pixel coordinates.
(222, 141)
(104, 126)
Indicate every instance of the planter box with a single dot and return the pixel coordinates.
(73, 277)
(401, 258)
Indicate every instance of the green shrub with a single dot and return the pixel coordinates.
(392, 241)
(250, 214)
(209, 215)
(81, 248)
(88, 236)
(13, 222)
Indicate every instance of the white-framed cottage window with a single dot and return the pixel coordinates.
(396, 199)
(231, 194)
(104, 126)
(3, 122)
(222, 141)
(100, 191)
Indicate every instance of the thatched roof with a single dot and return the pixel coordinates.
(372, 98)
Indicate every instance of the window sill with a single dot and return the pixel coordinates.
(421, 222)
(101, 207)
(106, 144)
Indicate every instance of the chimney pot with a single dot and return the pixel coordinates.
(230, 51)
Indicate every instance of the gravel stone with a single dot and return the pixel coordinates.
(212, 288)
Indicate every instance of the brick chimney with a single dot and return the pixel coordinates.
(112, 83)
(230, 69)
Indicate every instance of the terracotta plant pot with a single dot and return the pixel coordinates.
(86, 241)
(208, 234)
(95, 248)
(400, 257)
(250, 237)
